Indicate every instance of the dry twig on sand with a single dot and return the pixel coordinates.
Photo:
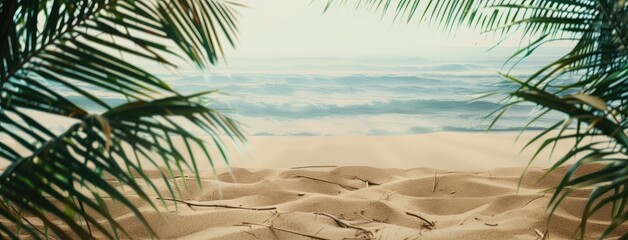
(330, 182)
(252, 234)
(366, 181)
(435, 182)
(274, 216)
(369, 234)
(541, 234)
(361, 214)
(191, 204)
(285, 230)
(428, 224)
(463, 221)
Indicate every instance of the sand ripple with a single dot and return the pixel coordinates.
(364, 202)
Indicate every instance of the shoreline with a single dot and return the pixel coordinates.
(459, 151)
(439, 150)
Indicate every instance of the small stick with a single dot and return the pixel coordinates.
(368, 182)
(365, 218)
(319, 231)
(190, 204)
(541, 234)
(491, 224)
(369, 219)
(330, 182)
(463, 221)
(252, 234)
(285, 230)
(322, 166)
(271, 218)
(344, 224)
(429, 224)
(435, 182)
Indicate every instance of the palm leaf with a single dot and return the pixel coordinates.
(80, 47)
(589, 84)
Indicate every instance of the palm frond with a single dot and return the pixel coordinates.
(589, 84)
(79, 48)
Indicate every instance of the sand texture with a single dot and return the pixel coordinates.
(364, 202)
(429, 186)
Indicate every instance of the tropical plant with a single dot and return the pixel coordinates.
(55, 56)
(589, 84)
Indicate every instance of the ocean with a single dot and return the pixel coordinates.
(360, 96)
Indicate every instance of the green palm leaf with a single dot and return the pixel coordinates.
(589, 84)
(80, 47)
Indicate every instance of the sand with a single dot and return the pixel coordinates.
(363, 202)
(429, 186)
(470, 151)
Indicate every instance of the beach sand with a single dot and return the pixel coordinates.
(428, 186)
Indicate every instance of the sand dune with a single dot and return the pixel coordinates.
(364, 202)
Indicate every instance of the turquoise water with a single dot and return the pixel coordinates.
(357, 96)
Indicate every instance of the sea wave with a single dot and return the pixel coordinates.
(344, 97)
(301, 110)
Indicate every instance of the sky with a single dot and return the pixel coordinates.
(300, 28)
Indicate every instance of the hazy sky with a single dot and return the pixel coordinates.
(296, 28)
